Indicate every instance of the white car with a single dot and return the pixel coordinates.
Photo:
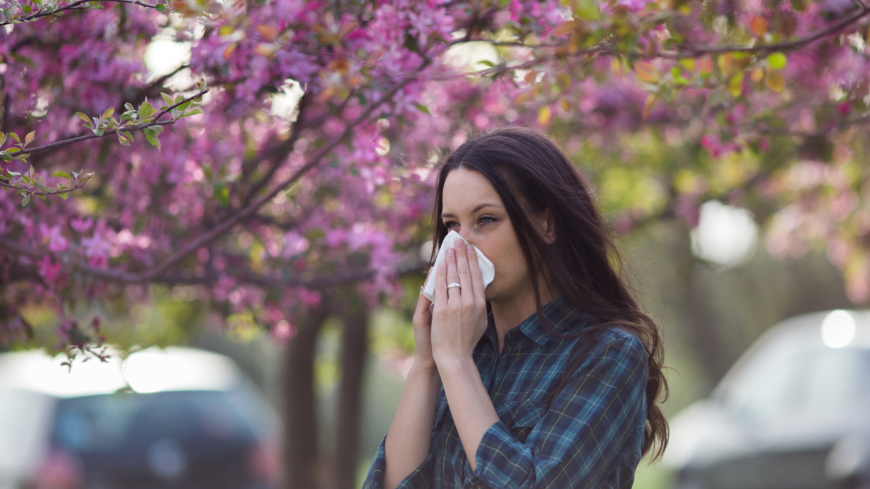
(793, 412)
(174, 417)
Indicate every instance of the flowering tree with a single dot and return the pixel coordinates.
(258, 211)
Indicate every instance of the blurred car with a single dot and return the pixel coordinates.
(793, 412)
(174, 417)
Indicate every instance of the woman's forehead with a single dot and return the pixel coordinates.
(466, 190)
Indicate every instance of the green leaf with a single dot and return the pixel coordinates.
(2, 138)
(150, 139)
(64, 195)
(62, 174)
(144, 110)
(29, 138)
(777, 61)
(160, 8)
(222, 195)
(587, 9)
(423, 109)
(192, 112)
(83, 117)
(799, 5)
(12, 150)
(108, 113)
(123, 140)
(25, 200)
(129, 136)
(735, 85)
(15, 137)
(166, 98)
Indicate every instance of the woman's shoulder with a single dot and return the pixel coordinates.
(613, 339)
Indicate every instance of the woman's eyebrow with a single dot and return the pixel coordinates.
(479, 207)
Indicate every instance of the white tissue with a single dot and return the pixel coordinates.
(487, 270)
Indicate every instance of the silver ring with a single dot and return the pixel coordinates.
(453, 284)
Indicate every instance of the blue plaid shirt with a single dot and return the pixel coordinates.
(591, 437)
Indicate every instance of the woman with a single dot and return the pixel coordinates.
(549, 376)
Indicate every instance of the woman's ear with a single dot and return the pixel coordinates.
(547, 227)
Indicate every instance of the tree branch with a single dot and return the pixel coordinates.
(142, 127)
(78, 5)
(77, 186)
(308, 280)
(694, 52)
(227, 224)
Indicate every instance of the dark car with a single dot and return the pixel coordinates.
(174, 418)
(792, 413)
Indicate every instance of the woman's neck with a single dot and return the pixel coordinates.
(508, 314)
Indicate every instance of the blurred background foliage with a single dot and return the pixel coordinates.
(709, 312)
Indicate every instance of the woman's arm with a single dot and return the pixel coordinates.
(407, 442)
(596, 420)
(469, 403)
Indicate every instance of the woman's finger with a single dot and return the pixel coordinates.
(476, 275)
(462, 269)
(452, 275)
(422, 300)
(441, 285)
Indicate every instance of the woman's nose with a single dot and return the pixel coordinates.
(468, 241)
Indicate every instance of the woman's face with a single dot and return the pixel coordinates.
(472, 208)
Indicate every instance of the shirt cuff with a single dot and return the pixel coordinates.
(421, 477)
(375, 475)
(497, 449)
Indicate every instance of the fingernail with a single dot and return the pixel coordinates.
(450, 252)
(442, 265)
(469, 249)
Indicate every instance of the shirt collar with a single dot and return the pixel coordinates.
(558, 312)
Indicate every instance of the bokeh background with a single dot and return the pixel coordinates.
(287, 226)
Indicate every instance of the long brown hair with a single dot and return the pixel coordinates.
(531, 175)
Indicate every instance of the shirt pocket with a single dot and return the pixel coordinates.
(520, 416)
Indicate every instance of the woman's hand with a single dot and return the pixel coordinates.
(458, 322)
(423, 329)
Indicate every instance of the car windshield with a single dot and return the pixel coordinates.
(129, 421)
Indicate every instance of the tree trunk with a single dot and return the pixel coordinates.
(349, 413)
(300, 417)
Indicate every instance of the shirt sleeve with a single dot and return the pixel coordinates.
(421, 477)
(589, 426)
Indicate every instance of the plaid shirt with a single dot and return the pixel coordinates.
(591, 437)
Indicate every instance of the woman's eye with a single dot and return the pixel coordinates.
(482, 220)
